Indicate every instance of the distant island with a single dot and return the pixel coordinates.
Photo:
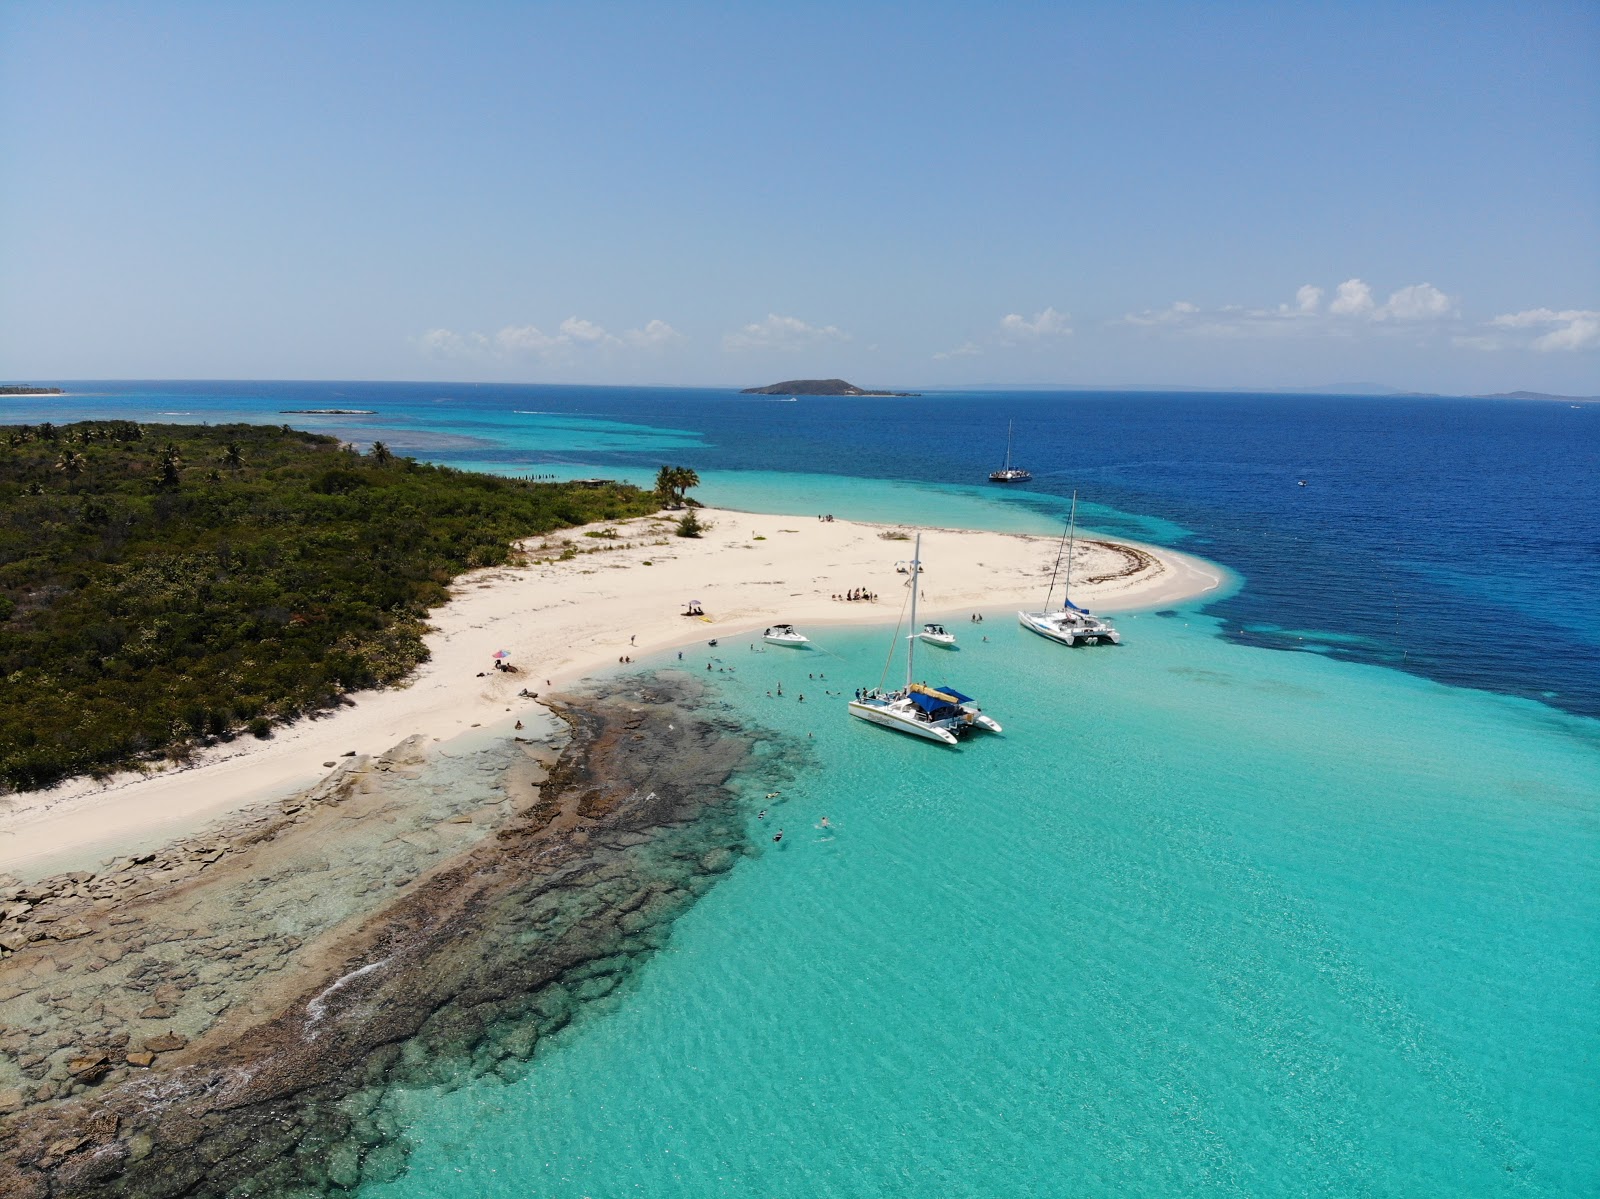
(818, 387)
(1537, 395)
(327, 412)
(16, 389)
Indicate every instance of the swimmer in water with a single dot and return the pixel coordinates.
(778, 836)
(823, 823)
(762, 814)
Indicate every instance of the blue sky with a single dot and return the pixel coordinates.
(1215, 194)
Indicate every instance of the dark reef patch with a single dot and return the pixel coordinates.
(459, 978)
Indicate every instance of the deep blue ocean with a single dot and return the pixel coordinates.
(1295, 893)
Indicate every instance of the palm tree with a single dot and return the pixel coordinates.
(70, 463)
(171, 463)
(232, 456)
(381, 454)
(673, 482)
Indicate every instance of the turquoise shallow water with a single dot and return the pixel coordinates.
(1206, 920)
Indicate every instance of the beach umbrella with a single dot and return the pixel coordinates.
(500, 653)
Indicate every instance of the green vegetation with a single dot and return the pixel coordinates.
(690, 525)
(673, 484)
(165, 586)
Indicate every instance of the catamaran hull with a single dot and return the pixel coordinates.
(940, 730)
(1067, 636)
(889, 720)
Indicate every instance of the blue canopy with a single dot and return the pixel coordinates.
(1075, 607)
(947, 699)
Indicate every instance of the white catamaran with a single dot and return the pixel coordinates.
(1009, 473)
(1069, 624)
(937, 713)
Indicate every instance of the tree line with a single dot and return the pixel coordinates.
(166, 586)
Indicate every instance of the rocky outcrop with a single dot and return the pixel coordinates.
(462, 975)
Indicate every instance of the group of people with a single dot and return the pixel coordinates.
(859, 593)
(828, 519)
(977, 618)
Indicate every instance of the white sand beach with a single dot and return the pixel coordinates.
(560, 620)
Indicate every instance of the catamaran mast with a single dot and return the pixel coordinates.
(916, 581)
(1072, 543)
(1009, 426)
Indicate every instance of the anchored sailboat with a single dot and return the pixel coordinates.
(1070, 624)
(936, 713)
(1009, 473)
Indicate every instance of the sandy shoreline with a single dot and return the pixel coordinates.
(561, 619)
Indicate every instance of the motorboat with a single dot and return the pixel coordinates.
(939, 713)
(1009, 473)
(1069, 624)
(937, 634)
(784, 634)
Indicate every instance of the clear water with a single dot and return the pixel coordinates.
(1209, 918)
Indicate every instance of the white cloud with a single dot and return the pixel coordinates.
(1179, 313)
(1351, 308)
(1569, 329)
(573, 335)
(966, 349)
(1419, 302)
(1047, 324)
(1351, 298)
(781, 333)
(585, 333)
(522, 339)
(655, 333)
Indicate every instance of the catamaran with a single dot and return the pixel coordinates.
(1009, 473)
(784, 634)
(937, 713)
(937, 634)
(1069, 624)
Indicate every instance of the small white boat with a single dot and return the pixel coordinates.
(784, 634)
(937, 634)
(1069, 624)
(939, 713)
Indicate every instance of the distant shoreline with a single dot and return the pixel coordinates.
(327, 412)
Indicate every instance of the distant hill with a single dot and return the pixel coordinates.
(15, 389)
(818, 387)
(1538, 395)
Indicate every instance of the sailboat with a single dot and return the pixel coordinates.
(936, 713)
(1009, 473)
(1070, 624)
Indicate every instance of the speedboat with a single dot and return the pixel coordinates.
(939, 713)
(784, 634)
(1069, 624)
(936, 634)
